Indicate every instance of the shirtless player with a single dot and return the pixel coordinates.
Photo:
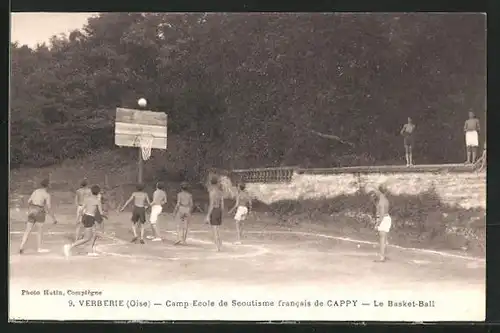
(159, 199)
(182, 212)
(408, 133)
(38, 206)
(471, 129)
(141, 201)
(215, 209)
(91, 206)
(81, 194)
(384, 221)
(243, 206)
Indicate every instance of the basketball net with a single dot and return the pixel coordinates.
(146, 143)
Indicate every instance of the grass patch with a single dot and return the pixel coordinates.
(421, 220)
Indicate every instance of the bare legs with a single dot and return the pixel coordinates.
(182, 230)
(238, 231)
(383, 246)
(185, 230)
(27, 232)
(78, 229)
(88, 235)
(409, 155)
(156, 233)
(142, 233)
(471, 155)
(39, 237)
(134, 231)
(217, 240)
(474, 154)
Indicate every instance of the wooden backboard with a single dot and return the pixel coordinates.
(131, 123)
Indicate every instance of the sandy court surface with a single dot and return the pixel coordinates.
(271, 260)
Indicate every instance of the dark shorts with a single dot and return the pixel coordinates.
(409, 141)
(36, 214)
(139, 214)
(216, 216)
(88, 221)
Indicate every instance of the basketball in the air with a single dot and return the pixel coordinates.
(142, 102)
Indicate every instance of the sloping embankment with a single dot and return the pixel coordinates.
(437, 210)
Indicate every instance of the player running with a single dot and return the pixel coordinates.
(215, 208)
(159, 199)
(91, 207)
(81, 194)
(141, 201)
(38, 206)
(384, 221)
(182, 213)
(243, 206)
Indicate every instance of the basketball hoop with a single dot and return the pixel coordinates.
(146, 143)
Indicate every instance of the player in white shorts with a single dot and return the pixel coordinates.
(384, 221)
(182, 213)
(471, 129)
(159, 199)
(242, 206)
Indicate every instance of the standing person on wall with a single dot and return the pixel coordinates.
(408, 133)
(471, 129)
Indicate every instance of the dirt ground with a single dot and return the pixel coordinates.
(271, 258)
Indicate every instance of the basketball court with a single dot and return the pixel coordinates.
(270, 257)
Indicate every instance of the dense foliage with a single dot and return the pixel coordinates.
(255, 90)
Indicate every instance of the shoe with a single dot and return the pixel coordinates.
(21, 251)
(133, 240)
(177, 242)
(157, 239)
(43, 251)
(150, 237)
(66, 249)
(142, 241)
(237, 243)
(93, 254)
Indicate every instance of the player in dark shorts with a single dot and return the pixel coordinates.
(408, 133)
(38, 206)
(91, 206)
(182, 213)
(81, 194)
(215, 209)
(141, 202)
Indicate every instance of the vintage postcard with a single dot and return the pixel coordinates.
(247, 167)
